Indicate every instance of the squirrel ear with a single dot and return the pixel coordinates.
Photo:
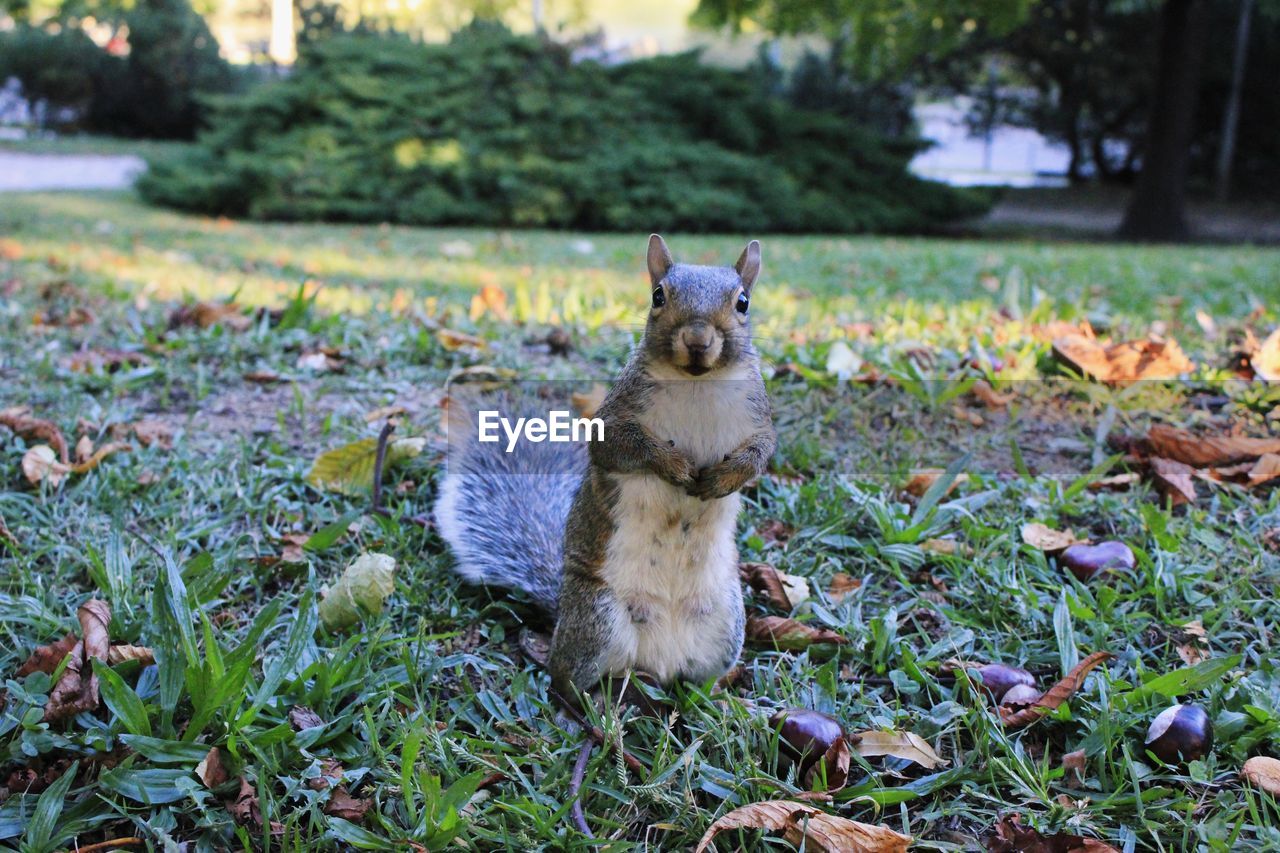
(748, 265)
(660, 260)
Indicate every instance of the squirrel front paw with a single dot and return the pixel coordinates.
(673, 466)
(720, 480)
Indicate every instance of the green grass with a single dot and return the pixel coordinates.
(434, 691)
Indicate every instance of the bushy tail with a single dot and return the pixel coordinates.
(504, 513)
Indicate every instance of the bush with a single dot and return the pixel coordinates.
(500, 130)
(155, 91)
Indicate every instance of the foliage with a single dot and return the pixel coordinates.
(62, 69)
(496, 129)
(433, 695)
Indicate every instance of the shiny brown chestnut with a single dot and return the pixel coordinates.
(1180, 733)
(997, 679)
(805, 735)
(1086, 561)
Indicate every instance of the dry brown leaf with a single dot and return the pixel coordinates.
(6, 535)
(1123, 362)
(990, 397)
(154, 433)
(118, 654)
(841, 585)
(491, 299)
(101, 453)
(923, 478)
(1115, 482)
(1045, 538)
(263, 377)
(969, 416)
(801, 823)
(1263, 772)
(787, 634)
(46, 658)
(1012, 837)
(774, 531)
(40, 463)
(782, 590)
(1195, 645)
(206, 314)
(342, 804)
(1202, 451)
(589, 402)
(1173, 479)
(1265, 361)
(104, 360)
(292, 550)
(77, 688)
(452, 340)
(832, 771)
(1073, 765)
(1266, 469)
(946, 547)
(73, 318)
(1054, 697)
(247, 812)
(84, 449)
(908, 745)
(211, 771)
(21, 423)
(301, 717)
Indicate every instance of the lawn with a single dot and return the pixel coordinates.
(192, 539)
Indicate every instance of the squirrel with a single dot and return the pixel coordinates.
(631, 545)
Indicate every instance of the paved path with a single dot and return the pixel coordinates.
(21, 172)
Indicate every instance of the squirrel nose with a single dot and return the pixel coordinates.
(696, 338)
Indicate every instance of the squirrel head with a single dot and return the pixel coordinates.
(699, 317)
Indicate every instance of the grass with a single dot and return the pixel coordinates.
(433, 694)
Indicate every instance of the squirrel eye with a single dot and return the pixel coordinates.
(659, 297)
(743, 302)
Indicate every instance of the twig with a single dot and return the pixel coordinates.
(107, 845)
(575, 787)
(378, 461)
(633, 764)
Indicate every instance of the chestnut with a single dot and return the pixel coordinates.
(805, 735)
(1021, 694)
(1180, 733)
(998, 678)
(1085, 561)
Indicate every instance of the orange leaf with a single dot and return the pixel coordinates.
(1266, 469)
(1123, 362)
(841, 585)
(1174, 480)
(1201, 451)
(1054, 696)
(1263, 772)
(1266, 361)
(1045, 538)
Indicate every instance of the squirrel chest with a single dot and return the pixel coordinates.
(672, 560)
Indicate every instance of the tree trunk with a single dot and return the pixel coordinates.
(1157, 209)
(1231, 115)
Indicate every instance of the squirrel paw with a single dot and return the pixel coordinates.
(674, 467)
(719, 480)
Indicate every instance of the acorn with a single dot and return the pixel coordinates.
(1180, 733)
(1021, 694)
(805, 735)
(1086, 561)
(998, 678)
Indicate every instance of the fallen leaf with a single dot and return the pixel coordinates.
(40, 463)
(1115, 482)
(1202, 451)
(990, 397)
(1053, 697)
(1045, 538)
(1266, 469)
(246, 811)
(263, 377)
(788, 635)
(841, 585)
(118, 654)
(154, 433)
(967, 415)
(319, 361)
(46, 658)
(801, 823)
(292, 551)
(383, 413)
(1194, 647)
(301, 717)
(774, 531)
(782, 590)
(1012, 837)
(1128, 361)
(207, 314)
(1266, 360)
(349, 469)
(342, 804)
(104, 360)
(1173, 479)
(589, 402)
(491, 299)
(360, 592)
(84, 449)
(77, 687)
(923, 478)
(1073, 765)
(98, 455)
(832, 771)
(906, 745)
(453, 340)
(1263, 772)
(210, 770)
(945, 547)
(22, 424)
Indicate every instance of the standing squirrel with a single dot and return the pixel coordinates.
(631, 544)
